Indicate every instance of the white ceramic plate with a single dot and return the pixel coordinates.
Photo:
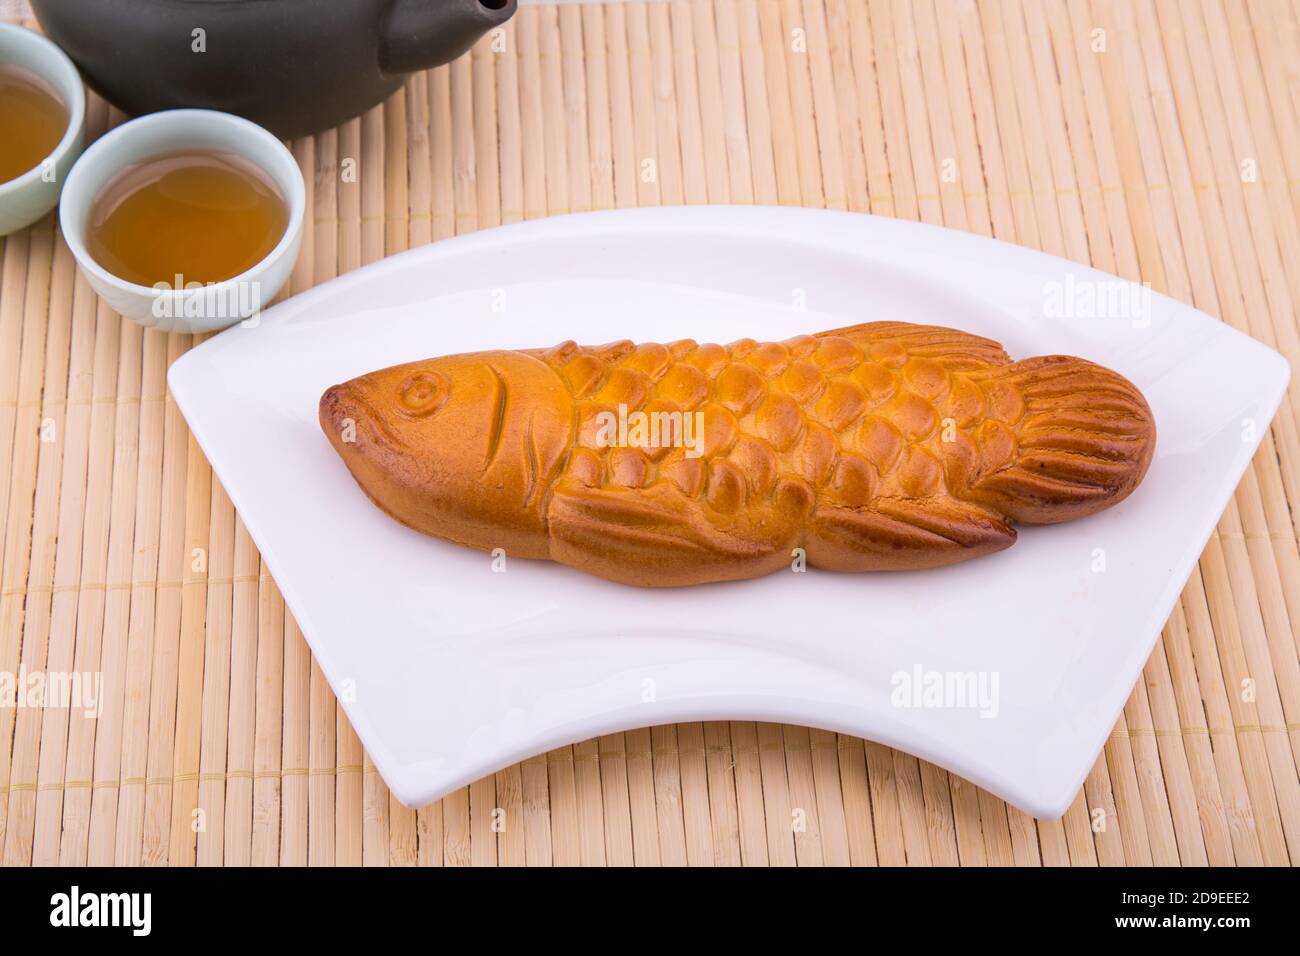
(449, 670)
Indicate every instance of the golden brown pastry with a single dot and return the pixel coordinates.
(884, 446)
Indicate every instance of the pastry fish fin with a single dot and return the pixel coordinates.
(654, 536)
(898, 534)
(955, 349)
(1082, 442)
(556, 355)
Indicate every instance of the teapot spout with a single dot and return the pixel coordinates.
(419, 34)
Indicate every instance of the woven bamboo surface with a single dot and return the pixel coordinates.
(1155, 139)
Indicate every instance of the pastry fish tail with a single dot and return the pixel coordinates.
(1072, 438)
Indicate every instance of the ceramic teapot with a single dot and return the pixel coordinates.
(293, 66)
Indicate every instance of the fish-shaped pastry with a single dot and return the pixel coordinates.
(884, 446)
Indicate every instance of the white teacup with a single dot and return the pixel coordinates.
(213, 306)
(34, 193)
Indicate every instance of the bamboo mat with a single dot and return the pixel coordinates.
(1155, 139)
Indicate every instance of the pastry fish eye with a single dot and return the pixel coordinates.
(423, 393)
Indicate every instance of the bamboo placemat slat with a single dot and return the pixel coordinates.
(1155, 139)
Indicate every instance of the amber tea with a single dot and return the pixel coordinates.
(185, 218)
(32, 121)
